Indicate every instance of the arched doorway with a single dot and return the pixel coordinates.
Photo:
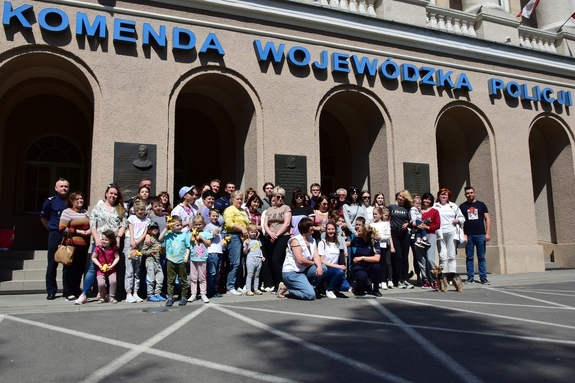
(46, 120)
(464, 158)
(215, 135)
(353, 141)
(553, 177)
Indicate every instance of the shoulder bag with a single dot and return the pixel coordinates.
(65, 252)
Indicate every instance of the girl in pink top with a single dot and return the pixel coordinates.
(105, 258)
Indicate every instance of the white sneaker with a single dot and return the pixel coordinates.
(192, 298)
(137, 298)
(390, 284)
(383, 286)
(234, 292)
(268, 289)
(400, 285)
(330, 295)
(408, 285)
(130, 298)
(205, 298)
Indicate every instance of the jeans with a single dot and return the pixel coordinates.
(334, 277)
(426, 258)
(214, 265)
(234, 253)
(479, 242)
(90, 276)
(301, 285)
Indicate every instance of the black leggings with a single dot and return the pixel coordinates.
(400, 258)
(278, 255)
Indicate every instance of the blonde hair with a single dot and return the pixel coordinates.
(408, 198)
(279, 190)
(199, 218)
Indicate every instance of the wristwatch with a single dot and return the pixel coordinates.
(363, 258)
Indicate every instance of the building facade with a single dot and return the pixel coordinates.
(381, 94)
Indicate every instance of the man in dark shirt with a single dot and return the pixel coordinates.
(223, 203)
(477, 227)
(50, 217)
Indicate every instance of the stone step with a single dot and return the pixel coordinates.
(33, 275)
(15, 287)
(28, 264)
(552, 266)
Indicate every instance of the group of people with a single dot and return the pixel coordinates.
(242, 243)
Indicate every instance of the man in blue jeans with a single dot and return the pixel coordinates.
(477, 227)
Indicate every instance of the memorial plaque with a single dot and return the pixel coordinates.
(132, 162)
(291, 173)
(416, 178)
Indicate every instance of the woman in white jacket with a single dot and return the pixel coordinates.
(451, 217)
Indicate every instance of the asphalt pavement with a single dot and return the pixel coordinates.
(520, 328)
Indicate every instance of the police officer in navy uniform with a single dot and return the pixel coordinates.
(50, 217)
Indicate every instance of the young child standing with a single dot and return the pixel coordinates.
(383, 235)
(105, 259)
(151, 252)
(215, 253)
(135, 235)
(177, 245)
(415, 215)
(200, 240)
(255, 257)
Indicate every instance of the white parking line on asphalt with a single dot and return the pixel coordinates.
(451, 364)
(194, 361)
(143, 347)
(489, 303)
(481, 313)
(558, 293)
(530, 298)
(420, 327)
(329, 353)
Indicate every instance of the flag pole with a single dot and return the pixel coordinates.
(562, 25)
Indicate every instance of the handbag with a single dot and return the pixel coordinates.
(65, 253)
(460, 237)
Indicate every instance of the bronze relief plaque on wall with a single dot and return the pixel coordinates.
(132, 162)
(291, 173)
(416, 178)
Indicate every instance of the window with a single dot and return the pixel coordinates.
(48, 159)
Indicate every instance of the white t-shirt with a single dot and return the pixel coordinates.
(290, 263)
(216, 246)
(329, 250)
(447, 214)
(384, 230)
(140, 225)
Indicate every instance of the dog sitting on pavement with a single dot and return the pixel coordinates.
(444, 279)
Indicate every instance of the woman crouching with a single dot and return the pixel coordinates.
(365, 263)
(302, 269)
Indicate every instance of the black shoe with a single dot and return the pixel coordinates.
(51, 297)
(376, 294)
(484, 281)
(340, 294)
(359, 293)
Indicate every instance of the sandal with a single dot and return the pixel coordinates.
(282, 290)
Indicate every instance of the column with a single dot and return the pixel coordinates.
(551, 14)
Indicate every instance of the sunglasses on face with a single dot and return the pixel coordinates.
(279, 196)
(366, 197)
(299, 196)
